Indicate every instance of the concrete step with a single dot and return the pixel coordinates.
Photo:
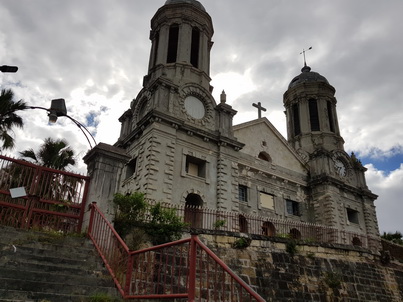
(34, 288)
(37, 266)
(38, 256)
(89, 279)
(20, 296)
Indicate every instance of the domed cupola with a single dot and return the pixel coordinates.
(193, 2)
(311, 113)
(307, 76)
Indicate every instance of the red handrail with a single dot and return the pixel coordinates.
(163, 275)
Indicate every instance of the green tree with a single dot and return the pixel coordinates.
(55, 154)
(396, 237)
(8, 117)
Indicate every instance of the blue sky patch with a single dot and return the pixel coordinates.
(385, 163)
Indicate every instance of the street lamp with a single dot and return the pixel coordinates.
(58, 108)
(6, 68)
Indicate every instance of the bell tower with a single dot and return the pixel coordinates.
(311, 113)
(181, 33)
(339, 194)
(179, 139)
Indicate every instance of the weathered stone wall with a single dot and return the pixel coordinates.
(312, 273)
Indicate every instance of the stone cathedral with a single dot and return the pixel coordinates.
(179, 145)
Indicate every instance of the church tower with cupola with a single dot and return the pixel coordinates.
(338, 189)
(179, 139)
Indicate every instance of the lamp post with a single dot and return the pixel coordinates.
(58, 108)
(6, 68)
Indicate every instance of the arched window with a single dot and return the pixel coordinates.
(243, 224)
(314, 115)
(295, 234)
(173, 43)
(193, 211)
(268, 229)
(194, 52)
(264, 156)
(356, 241)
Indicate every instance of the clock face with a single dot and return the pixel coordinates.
(340, 167)
(194, 107)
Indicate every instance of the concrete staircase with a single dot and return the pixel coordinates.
(45, 267)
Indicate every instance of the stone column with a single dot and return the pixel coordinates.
(104, 166)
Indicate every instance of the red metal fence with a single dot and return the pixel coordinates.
(54, 200)
(213, 219)
(184, 269)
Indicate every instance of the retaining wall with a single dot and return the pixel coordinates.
(312, 273)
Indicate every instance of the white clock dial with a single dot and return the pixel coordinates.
(194, 107)
(340, 167)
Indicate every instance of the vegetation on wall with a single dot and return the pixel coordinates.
(333, 279)
(134, 214)
(242, 243)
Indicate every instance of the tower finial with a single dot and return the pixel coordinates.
(303, 52)
(223, 97)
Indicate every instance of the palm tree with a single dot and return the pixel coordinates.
(8, 117)
(54, 154)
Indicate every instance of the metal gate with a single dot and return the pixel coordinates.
(52, 199)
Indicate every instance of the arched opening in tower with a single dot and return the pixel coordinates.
(194, 53)
(173, 43)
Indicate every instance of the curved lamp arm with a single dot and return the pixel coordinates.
(54, 113)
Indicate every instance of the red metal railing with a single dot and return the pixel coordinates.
(55, 199)
(184, 269)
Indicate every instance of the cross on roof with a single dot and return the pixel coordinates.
(260, 108)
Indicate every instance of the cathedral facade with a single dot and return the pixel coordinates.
(178, 145)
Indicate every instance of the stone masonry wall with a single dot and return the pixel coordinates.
(313, 273)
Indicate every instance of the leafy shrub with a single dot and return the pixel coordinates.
(165, 225)
(291, 247)
(162, 226)
(219, 223)
(131, 210)
(333, 279)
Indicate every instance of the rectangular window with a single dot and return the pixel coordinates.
(195, 166)
(266, 200)
(292, 207)
(243, 193)
(131, 167)
(352, 216)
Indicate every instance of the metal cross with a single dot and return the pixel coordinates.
(260, 108)
(303, 52)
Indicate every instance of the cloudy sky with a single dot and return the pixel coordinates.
(94, 54)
